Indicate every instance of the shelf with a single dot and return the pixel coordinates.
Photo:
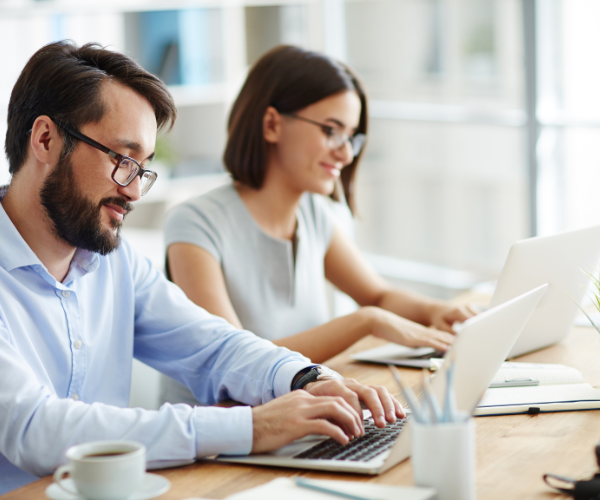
(194, 95)
(33, 7)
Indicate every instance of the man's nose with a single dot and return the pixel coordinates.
(133, 191)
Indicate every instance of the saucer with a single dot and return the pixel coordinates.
(152, 486)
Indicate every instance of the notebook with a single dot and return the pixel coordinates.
(537, 388)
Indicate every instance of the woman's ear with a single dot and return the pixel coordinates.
(272, 122)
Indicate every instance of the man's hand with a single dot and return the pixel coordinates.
(298, 414)
(329, 407)
(383, 406)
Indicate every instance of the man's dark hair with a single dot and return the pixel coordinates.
(64, 82)
(289, 79)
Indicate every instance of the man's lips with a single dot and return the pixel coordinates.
(116, 212)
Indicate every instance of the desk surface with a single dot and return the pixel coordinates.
(512, 451)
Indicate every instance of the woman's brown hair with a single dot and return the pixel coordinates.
(289, 79)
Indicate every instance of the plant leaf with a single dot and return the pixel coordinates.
(586, 314)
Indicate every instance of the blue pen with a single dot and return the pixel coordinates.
(429, 397)
(450, 402)
(303, 483)
(410, 397)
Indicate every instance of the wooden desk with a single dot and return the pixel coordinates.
(512, 451)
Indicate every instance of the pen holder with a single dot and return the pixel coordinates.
(443, 457)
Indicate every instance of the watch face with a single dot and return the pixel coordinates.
(327, 372)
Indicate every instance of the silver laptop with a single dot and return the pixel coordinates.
(557, 260)
(478, 352)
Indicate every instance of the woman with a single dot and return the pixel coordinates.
(257, 251)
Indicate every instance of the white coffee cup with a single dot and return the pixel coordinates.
(104, 470)
(443, 457)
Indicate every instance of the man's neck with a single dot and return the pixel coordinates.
(25, 211)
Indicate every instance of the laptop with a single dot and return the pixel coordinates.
(478, 352)
(557, 260)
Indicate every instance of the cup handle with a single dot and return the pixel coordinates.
(59, 475)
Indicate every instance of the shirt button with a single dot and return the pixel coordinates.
(75, 397)
(78, 344)
(66, 293)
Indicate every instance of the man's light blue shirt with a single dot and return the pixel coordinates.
(66, 352)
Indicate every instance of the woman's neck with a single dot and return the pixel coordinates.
(273, 206)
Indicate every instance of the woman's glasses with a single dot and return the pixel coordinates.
(335, 138)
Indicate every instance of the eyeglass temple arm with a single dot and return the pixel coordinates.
(92, 143)
(298, 117)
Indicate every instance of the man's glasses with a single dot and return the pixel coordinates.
(335, 138)
(126, 169)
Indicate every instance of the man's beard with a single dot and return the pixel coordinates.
(76, 219)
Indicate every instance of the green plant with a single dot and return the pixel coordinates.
(164, 151)
(595, 297)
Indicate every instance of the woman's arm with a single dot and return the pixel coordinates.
(325, 341)
(200, 276)
(347, 269)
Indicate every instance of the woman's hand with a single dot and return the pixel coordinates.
(443, 316)
(390, 326)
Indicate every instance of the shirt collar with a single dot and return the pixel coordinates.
(15, 252)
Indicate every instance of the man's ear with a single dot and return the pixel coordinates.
(45, 141)
(272, 122)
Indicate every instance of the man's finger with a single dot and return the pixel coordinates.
(352, 398)
(371, 399)
(336, 410)
(386, 401)
(339, 389)
(400, 413)
(325, 428)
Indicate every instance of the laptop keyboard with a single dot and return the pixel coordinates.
(362, 449)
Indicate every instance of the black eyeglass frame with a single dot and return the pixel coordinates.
(141, 171)
(329, 129)
(119, 157)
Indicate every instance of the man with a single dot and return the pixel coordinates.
(76, 304)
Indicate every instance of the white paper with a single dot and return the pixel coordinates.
(546, 374)
(285, 488)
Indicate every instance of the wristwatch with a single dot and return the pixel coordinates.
(312, 373)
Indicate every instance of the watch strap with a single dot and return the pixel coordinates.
(312, 373)
(307, 375)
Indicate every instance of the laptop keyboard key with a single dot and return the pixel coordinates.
(364, 448)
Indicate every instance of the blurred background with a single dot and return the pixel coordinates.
(484, 113)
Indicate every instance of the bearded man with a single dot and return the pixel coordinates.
(77, 304)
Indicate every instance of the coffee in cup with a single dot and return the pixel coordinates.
(104, 470)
